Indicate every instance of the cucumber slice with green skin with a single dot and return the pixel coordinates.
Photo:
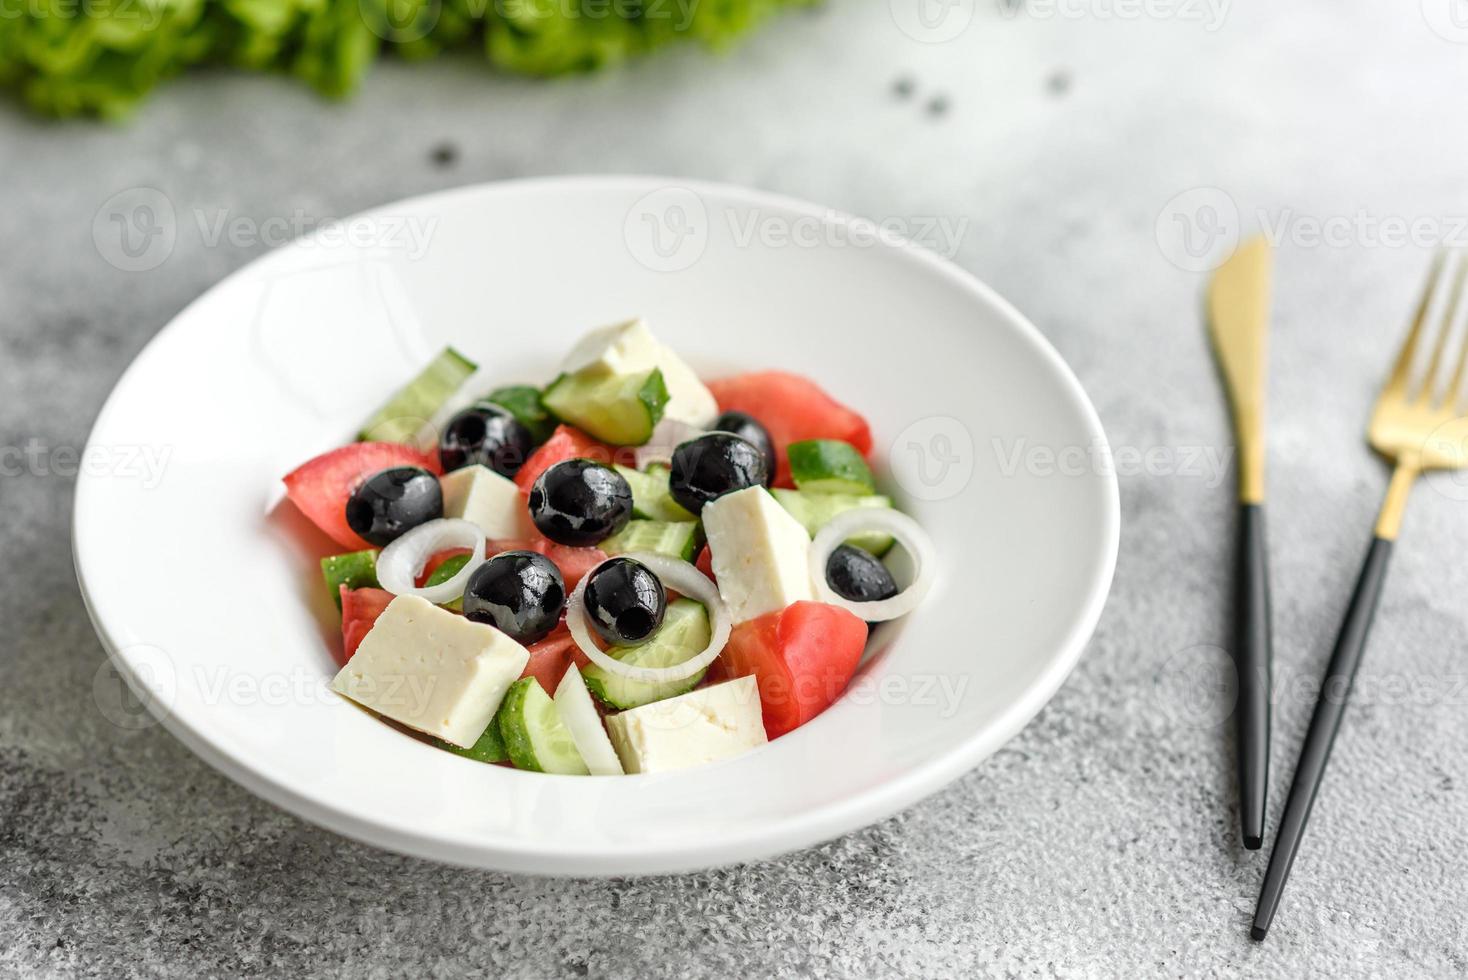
(534, 735)
(489, 748)
(650, 496)
(676, 539)
(355, 570)
(830, 466)
(684, 634)
(523, 402)
(620, 409)
(446, 571)
(415, 404)
(814, 510)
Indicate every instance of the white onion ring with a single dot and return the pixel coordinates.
(679, 576)
(909, 535)
(666, 436)
(402, 561)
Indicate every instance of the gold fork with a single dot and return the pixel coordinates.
(1417, 426)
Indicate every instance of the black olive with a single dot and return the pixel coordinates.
(486, 434)
(857, 575)
(389, 504)
(748, 428)
(520, 593)
(712, 465)
(579, 502)
(625, 601)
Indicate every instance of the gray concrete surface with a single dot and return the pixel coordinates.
(1100, 841)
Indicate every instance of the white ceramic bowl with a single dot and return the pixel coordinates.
(204, 588)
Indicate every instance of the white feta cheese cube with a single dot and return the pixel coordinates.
(689, 401)
(631, 348)
(622, 348)
(480, 495)
(432, 670)
(760, 553)
(712, 723)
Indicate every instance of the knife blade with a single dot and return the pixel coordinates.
(1238, 320)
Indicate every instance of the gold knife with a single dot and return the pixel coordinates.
(1238, 318)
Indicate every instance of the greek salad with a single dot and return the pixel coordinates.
(629, 570)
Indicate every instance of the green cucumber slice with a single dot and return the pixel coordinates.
(676, 539)
(684, 634)
(416, 402)
(523, 402)
(813, 510)
(620, 409)
(829, 466)
(534, 735)
(489, 748)
(355, 570)
(446, 571)
(650, 496)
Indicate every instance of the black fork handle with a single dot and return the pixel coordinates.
(1324, 724)
(1252, 662)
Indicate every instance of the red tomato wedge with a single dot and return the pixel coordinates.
(321, 487)
(802, 657)
(792, 408)
(551, 657)
(567, 442)
(360, 609)
(573, 562)
(705, 563)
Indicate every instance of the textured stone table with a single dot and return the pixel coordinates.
(1099, 841)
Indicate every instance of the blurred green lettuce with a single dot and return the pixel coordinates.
(101, 57)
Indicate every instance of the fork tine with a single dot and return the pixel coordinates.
(1445, 331)
(1457, 392)
(1397, 382)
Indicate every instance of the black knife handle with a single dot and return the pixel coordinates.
(1329, 708)
(1252, 662)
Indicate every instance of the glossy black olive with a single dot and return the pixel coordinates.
(625, 601)
(712, 465)
(391, 503)
(580, 502)
(520, 593)
(748, 428)
(857, 575)
(486, 434)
